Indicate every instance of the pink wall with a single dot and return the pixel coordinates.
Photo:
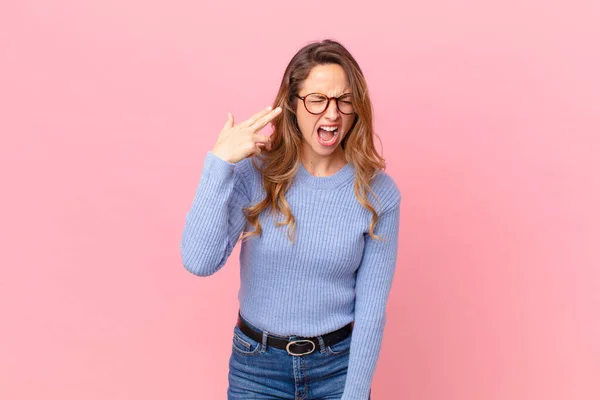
(489, 113)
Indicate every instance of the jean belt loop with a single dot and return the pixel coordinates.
(264, 341)
(321, 343)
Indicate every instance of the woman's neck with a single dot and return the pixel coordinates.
(324, 166)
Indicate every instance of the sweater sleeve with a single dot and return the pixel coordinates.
(215, 220)
(373, 284)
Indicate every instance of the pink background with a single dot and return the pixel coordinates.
(489, 116)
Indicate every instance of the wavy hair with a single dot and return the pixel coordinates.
(279, 165)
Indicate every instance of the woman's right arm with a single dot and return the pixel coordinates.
(216, 219)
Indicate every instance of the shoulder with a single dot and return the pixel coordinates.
(385, 188)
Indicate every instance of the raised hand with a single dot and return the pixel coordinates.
(238, 142)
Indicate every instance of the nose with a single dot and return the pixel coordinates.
(332, 112)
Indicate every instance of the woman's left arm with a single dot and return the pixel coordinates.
(373, 284)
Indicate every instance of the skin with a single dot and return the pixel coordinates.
(243, 140)
(318, 160)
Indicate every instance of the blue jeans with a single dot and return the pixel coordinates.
(257, 371)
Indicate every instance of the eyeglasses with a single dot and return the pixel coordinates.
(317, 103)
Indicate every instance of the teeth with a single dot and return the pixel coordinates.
(329, 128)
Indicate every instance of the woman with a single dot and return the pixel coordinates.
(312, 301)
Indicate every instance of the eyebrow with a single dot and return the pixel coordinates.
(341, 94)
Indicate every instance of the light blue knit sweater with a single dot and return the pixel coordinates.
(306, 288)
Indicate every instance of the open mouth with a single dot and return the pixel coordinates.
(328, 135)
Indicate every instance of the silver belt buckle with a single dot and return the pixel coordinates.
(300, 354)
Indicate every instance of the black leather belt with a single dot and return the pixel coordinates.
(297, 347)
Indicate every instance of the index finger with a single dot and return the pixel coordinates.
(262, 121)
(256, 116)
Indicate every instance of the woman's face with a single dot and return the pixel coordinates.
(330, 80)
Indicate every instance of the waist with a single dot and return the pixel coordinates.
(294, 344)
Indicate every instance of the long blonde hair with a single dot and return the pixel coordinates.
(279, 165)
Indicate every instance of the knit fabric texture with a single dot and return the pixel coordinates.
(333, 273)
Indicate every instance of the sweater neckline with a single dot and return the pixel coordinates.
(324, 182)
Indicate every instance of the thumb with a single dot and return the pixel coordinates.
(229, 122)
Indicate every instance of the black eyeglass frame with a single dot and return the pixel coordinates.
(337, 104)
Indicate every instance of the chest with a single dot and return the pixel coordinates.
(330, 233)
